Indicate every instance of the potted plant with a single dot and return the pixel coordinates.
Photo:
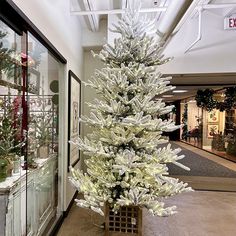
(10, 142)
(126, 166)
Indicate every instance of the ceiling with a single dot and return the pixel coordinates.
(92, 11)
(170, 16)
(190, 83)
(91, 21)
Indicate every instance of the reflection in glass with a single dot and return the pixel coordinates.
(29, 86)
(42, 149)
(12, 132)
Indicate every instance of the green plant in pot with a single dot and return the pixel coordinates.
(10, 142)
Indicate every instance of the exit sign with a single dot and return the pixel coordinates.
(230, 23)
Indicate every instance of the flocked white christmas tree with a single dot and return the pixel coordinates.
(126, 165)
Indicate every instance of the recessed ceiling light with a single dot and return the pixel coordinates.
(180, 91)
(167, 96)
(191, 101)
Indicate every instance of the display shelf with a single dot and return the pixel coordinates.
(38, 185)
(11, 181)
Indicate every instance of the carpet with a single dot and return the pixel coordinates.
(199, 165)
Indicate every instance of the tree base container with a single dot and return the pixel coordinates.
(127, 222)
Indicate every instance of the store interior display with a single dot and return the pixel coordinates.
(216, 122)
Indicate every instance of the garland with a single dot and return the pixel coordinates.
(204, 99)
(185, 122)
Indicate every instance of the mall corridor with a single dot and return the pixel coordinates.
(91, 92)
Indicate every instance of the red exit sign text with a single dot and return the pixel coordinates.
(230, 23)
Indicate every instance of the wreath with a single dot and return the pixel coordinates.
(205, 99)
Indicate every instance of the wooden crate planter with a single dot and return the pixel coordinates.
(127, 222)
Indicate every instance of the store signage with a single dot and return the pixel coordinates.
(230, 22)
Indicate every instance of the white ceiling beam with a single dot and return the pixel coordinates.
(189, 12)
(116, 11)
(93, 19)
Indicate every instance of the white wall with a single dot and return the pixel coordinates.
(111, 36)
(53, 19)
(89, 94)
(214, 53)
(92, 39)
(90, 65)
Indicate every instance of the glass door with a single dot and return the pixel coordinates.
(13, 131)
(29, 134)
(43, 132)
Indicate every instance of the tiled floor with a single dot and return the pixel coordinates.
(200, 213)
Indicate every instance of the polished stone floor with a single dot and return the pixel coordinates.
(200, 213)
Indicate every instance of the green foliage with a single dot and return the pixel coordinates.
(184, 122)
(9, 64)
(5, 55)
(10, 139)
(205, 99)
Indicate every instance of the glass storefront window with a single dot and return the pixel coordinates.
(42, 149)
(214, 131)
(12, 134)
(29, 134)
